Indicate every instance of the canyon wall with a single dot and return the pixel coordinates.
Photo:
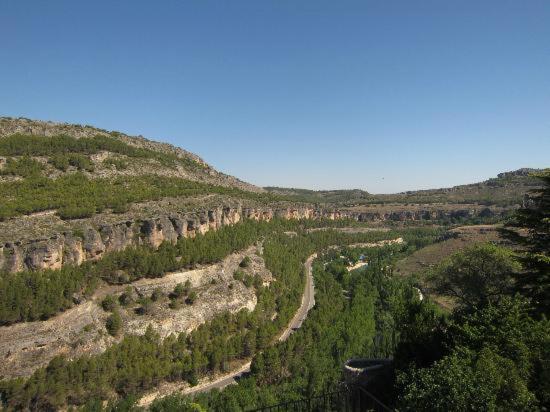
(94, 242)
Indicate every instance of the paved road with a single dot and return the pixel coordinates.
(308, 301)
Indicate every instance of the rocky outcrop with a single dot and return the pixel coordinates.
(117, 237)
(94, 242)
(13, 257)
(45, 255)
(73, 253)
(93, 245)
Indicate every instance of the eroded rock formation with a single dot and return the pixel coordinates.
(94, 242)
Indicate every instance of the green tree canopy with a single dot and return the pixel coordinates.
(530, 229)
(476, 276)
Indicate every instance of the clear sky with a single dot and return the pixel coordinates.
(379, 95)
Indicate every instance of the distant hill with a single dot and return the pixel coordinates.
(320, 196)
(506, 189)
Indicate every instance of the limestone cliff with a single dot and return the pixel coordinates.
(91, 244)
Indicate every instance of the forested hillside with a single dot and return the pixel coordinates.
(140, 362)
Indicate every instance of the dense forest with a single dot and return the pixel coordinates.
(31, 145)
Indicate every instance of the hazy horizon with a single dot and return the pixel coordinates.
(315, 95)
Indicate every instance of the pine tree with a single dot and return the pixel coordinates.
(530, 229)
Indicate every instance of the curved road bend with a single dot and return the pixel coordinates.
(308, 301)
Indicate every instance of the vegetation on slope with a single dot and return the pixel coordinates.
(504, 190)
(491, 353)
(36, 295)
(77, 196)
(77, 192)
(30, 145)
(140, 362)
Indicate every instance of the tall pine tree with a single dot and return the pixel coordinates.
(530, 229)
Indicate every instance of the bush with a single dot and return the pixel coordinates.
(127, 297)
(108, 303)
(248, 280)
(179, 291)
(81, 162)
(63, 161)
(76, 211)
(191, 298)
(113, 323)
(24, 167)
(146, 306)
(245, 262)
(238, 275)
(60, 162)
(118, 164)
(157, 294)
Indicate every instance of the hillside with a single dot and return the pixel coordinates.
(60, 148)
(504, 190)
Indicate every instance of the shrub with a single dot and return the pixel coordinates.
(157, 294)
(248, 280)
(179, 291)
(113, 323)
(238, 275)
(146, 306)
(191, 298)
(76, 211)
(245, 262)
(127, 297)
(108, 303)
(60, 162)
(64, 160)
(24, 167)
(118, 164)
(81, 162)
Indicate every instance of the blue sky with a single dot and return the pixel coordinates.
(379, 95)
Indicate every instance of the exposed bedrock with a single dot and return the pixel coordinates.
(94, 242)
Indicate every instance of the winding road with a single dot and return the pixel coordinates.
(308, 301)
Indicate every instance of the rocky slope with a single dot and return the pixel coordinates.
(204, 173)
(81, 330)
(94, 238)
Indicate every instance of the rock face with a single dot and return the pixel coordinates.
(70, 248)
(45, 255)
